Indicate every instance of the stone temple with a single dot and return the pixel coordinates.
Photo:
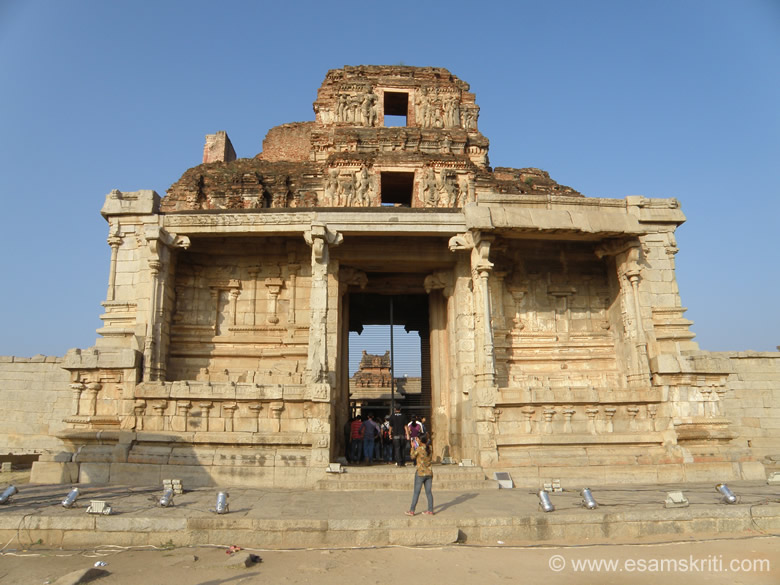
(552, 331)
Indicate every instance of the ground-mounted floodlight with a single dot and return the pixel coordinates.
(728, 495)
(544, 502)
(167, 498)
(587, 499)
(222, 504)
(99, 507)
(70, 499)
(9, 491)
(504, 480)
(675, 500)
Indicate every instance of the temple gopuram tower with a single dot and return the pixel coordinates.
(554, 342)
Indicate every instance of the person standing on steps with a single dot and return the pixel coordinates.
(423, 477)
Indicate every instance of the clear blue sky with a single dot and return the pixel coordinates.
(669, 98)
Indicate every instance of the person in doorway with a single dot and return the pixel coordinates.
(356, 439)
(370, 433)
(413, 433)
(348, 440)
(398, 433)
(387, 441)
(414, 429)
(423, 477)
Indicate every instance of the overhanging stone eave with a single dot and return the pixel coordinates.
(386, 221)
(532, 221)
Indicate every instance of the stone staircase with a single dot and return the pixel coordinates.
(390, 477)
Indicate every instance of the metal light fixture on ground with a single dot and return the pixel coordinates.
(9, 491)
(544, 502)
(728, 495)
(587, 499)
(222, 504)
(167, 498)
(70, 499)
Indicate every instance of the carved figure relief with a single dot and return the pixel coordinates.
(348, 188)
(360, 108)
(443, 188)
(433, 110)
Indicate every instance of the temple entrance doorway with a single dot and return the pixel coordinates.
(389, 354)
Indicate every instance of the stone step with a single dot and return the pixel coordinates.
(388, 477)
(392, 472)
(405, 485)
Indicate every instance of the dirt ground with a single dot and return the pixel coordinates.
(734, 561)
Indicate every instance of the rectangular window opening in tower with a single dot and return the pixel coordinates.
(397, 188)
(396, 108)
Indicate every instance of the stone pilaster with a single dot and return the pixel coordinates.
(627, 255)
(160, 244)
(485, 362)
(320, 238)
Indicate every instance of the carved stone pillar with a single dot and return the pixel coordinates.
(184, 407)
(276, 412)
(159, 243)
(139, 408)
(214, 292)
(626, 255)
(150, 343)
(592, 414)
(114, 240)
(205, 408)
(92, 392)
(548, 416)
(293, 268)
(233, 308)
(632, 411)
(274, 286)
(159, 407)
(320, 238)
(484, 352)
(720, 391)
(229, 412)
(75, 405)
(528, 414)
(479, 245)
(253, 272)
(256, 407)
(568, 413)
(609, 413)
(652, 411)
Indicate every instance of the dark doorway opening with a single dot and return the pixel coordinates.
(396, 188)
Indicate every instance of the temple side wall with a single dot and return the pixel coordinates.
(35, 397)
(753, 403)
